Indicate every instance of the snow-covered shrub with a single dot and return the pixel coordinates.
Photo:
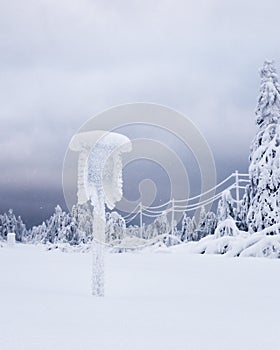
(268, 246)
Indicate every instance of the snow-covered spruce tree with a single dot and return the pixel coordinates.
(71, 233)
(161, 225)
(225, 215)
(210, 224)
(22, 234)
(4, 226)
(82, 213)
(264, 169)
(56, 226)
(187, 229)
(133, 231)
(149, 232)
(225, 207)
(242, 212)
(200, 230)
(206, 226)
(38, 233)
(115, 228)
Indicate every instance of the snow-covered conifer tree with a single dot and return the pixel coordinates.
(200, 231)
(241, 214)
(264, 169)
(225, 207)
(83, 215)
(56, 224)
(20, 230)
(188, 228)
(161, 225)
(210, 224)
(115, 227)
(39, 233)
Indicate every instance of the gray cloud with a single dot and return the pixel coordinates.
(62, 62)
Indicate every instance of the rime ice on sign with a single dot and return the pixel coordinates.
(104, 171)
(100, 180)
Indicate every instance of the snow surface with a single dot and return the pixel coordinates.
(153, 301)
(232, 242)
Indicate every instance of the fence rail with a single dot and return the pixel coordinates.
(235, 182)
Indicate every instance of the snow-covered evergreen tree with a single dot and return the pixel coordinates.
(161, 225)
(115, 227)
(20, 230)
(149, 232)
(71, 233)
(241, 214)
(56, 225)
(200, 230)
(264, 169)
(134, 231)
(225, 207)
(38, 233)
(82, 213)
(210, 224)
(188, 228)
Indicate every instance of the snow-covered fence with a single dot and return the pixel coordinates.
(235, 183)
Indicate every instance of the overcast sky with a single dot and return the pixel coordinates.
(64, 61)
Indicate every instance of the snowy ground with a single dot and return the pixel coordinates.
(153, 301)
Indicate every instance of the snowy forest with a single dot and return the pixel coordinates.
(256, 216)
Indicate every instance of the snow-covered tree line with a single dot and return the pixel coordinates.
(76, 227)
(73, 228)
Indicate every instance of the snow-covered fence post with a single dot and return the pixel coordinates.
(141, 219)
(100, 181)
(237, 190)
(172, 217)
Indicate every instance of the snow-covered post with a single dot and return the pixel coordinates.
(237, 190)
(11, 239)
(99, 180)
(172, 217)
(141, 219)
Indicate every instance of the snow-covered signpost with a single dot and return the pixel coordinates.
(100, 181)
(11, 239)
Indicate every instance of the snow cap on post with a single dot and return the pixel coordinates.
(100, 166)
(86, 140)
